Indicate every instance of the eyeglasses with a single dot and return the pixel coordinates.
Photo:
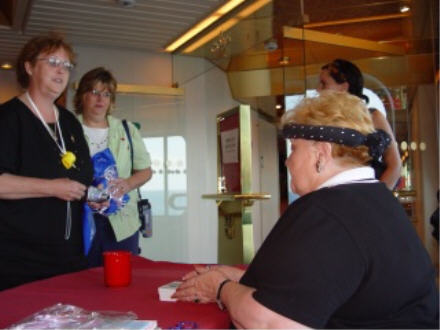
(105, 94)
(55, 62)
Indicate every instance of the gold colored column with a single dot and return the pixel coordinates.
(235, 228)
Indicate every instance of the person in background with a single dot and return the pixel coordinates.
(342, 75)
(344, 254)
(94, 100)
(45, 169)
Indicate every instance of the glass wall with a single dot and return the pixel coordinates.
(161, 121)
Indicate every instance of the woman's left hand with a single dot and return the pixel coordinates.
(119, 187)
(201, 288)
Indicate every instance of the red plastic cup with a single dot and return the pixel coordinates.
(117, 268)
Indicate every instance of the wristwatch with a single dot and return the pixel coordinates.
(219, 291)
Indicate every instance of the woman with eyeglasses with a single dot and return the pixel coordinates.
(45, 168)
(343, 75)
(94, 101)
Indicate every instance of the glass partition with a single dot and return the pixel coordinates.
(161, 121)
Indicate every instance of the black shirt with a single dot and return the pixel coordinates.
(346, 257)
(32, 243)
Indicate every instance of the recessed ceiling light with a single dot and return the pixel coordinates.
(404, 9)
(126, 3)
(6, 66)
(284, 60)
(202, 25)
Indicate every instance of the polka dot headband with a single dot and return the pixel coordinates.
(376, 142)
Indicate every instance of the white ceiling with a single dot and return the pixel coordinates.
(149, 25)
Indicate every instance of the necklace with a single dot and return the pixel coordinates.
(68, 158)
(96, 137)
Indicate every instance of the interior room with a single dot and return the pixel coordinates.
(254, 58)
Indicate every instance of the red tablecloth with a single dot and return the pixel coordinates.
(86, 289)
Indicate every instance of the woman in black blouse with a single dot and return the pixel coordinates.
(344, 254)
(45, 169)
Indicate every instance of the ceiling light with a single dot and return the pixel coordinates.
(404, 9)
(404, 145)
(284, 60)
(226, 25)
(199, 27)
(6, 66)
(127, 3)
(271, 45)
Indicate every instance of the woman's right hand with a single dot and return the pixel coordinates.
(231, 272)
(68, 190)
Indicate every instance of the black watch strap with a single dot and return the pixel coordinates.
(219, 292)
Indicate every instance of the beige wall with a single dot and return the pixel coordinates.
(8, 85)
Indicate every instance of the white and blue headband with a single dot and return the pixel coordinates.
(376, 142)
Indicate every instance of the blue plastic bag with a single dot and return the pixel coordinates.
(89, 228)
(104, 166)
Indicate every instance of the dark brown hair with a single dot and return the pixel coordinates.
(345, 71)
(36, 46)
(88, 82)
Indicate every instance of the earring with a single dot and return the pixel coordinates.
(319, 166)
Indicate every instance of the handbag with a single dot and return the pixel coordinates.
(143, 204)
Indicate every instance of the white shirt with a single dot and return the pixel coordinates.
(364, 174)
(97, 138)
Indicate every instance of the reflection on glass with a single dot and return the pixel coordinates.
(167, 188)
(176, 175)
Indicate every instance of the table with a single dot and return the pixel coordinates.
(86, 289)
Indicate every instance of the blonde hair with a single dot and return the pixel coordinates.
(338, 109)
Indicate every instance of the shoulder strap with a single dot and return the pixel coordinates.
(127, 131)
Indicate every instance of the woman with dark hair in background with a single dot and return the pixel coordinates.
(45, 168)
(342, 75)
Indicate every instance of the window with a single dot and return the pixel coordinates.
(167, 188)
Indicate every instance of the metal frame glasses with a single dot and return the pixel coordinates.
(55, 62)
(105, 94)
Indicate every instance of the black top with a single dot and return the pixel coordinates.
(32, 244)
(346, 257)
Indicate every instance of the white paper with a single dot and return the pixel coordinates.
(229, 141)
(167, 290)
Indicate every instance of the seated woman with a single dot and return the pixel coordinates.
(344, 254)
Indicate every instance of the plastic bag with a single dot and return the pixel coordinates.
(105, 171)
(63, 316)
(88, 228)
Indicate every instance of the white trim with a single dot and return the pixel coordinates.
(364, 174)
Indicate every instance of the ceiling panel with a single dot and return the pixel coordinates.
(149, 25)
